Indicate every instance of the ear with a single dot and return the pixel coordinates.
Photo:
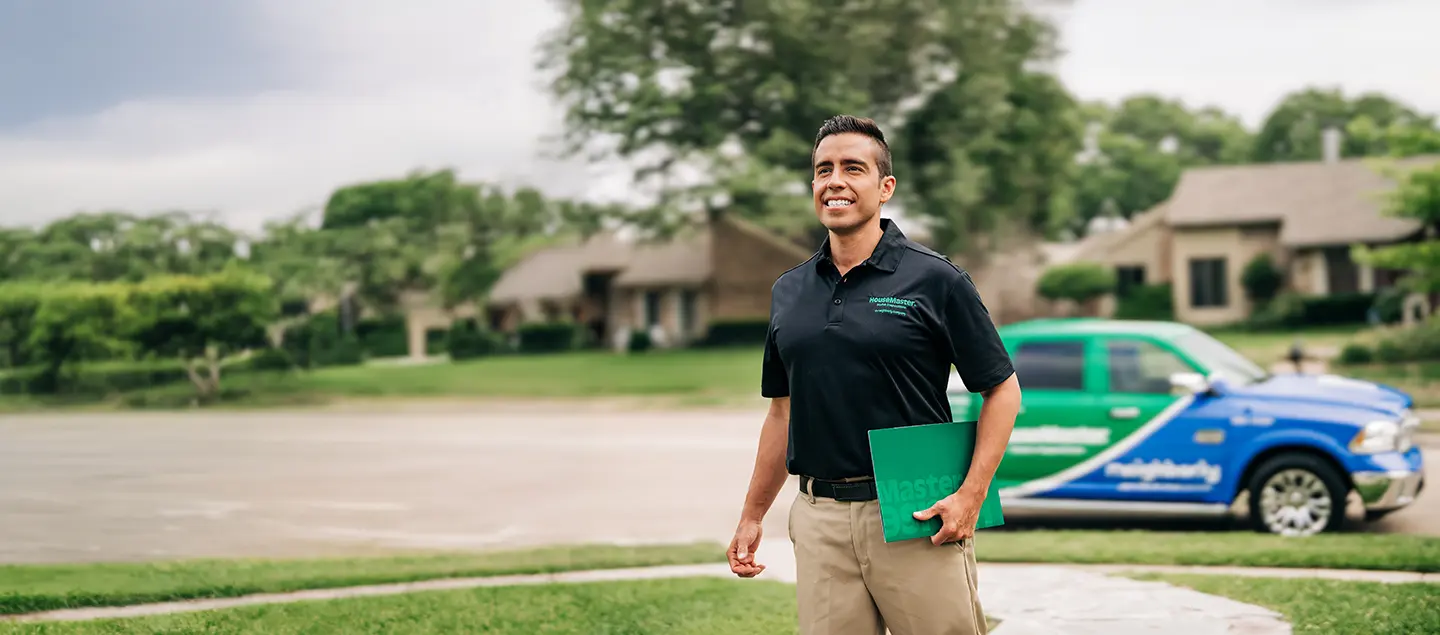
(887, 189)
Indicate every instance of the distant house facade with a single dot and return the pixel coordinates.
(1305, 216)
(673, 290)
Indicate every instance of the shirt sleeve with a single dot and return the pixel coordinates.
(774, 381)
(975, 346)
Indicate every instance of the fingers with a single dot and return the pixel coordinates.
(742, 555)
(927, 514)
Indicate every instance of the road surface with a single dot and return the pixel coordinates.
(148, 486)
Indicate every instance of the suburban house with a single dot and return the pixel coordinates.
(1306, 216)
(673, 289)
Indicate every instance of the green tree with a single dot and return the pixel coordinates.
(1141, 147)
(1293, 130)
(1081, 282)
(203, 321)
(735, 90)
(78, 322)
(988, 154)
(1416, 197)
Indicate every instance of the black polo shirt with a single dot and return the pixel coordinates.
(873, 350)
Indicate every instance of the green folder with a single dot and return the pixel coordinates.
(915, 466)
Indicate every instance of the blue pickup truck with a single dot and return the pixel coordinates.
(1138, 418)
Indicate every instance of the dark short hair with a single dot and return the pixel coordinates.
(842, 124)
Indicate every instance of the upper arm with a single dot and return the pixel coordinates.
(975, 346)
(774, 379)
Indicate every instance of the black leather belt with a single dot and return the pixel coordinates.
(844, 491)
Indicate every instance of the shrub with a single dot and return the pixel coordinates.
(1146, 302)
(1420, 343)
(1389, 352)
(1079, 282)
(1355, 353)
(549, 337)
(272, 359)
(1261, 279)
(1390, 305)
(317, 342)
(639, 341)
(468, 340)
(1349, 308)
(736, 332)
(387, 336)
(1289, 310)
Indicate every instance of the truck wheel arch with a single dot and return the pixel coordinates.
(1259, 458)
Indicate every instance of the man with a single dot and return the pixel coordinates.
(862, 336)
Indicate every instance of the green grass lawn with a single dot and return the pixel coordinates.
(1238, 548)
(684, 377)
(704, 606)
(1328, 607)
(1268, 347)
(30, 588)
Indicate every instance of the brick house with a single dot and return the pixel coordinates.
(1306, 216)
(721, 271)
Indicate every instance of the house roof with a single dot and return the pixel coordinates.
(555, 272)
(1096, 247)
(1316, 203)
(682, 260)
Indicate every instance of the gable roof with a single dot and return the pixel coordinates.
(1316, 203)
(682, 260)
(554, 273)
(557, 273)
(1096, 247)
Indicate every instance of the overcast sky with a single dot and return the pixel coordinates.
(256, 109)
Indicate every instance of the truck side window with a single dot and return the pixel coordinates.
(1057, 365)
(1141, 367)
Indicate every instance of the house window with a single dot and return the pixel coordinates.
(1208, 286)
(1127, 277)
(652, 308)
(1057, 365)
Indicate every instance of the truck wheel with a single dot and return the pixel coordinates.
(1296, 494)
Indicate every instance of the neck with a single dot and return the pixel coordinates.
(852, 248)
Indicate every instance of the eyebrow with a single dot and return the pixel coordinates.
(843, 161)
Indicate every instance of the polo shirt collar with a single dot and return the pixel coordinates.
(887, 252)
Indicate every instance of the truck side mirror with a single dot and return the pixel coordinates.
(1192, 383)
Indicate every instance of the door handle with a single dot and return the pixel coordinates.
(1124, 412)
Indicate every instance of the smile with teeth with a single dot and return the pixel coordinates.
(838, 202)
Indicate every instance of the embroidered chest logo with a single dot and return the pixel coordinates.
(892, 306)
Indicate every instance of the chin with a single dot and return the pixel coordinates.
(843, 222)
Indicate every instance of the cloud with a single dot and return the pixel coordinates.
(375, 88)
(391, 88)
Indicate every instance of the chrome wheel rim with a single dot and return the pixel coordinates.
(1295, 502)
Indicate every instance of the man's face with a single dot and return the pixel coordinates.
(847, 186)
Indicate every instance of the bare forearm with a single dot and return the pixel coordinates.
(770, 474)
(997, 420)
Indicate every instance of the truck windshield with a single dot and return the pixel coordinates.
(1221, 359)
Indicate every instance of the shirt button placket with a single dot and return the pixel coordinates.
(837, 304)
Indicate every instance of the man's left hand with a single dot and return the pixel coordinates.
(959, 513)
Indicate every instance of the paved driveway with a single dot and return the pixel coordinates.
(143, 486)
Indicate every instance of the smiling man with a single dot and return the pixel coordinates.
(862, 336)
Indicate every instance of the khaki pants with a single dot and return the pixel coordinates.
(851, 582)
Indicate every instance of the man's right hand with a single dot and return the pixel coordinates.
(742, 549)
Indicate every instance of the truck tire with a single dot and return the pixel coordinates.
(1296, 494)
